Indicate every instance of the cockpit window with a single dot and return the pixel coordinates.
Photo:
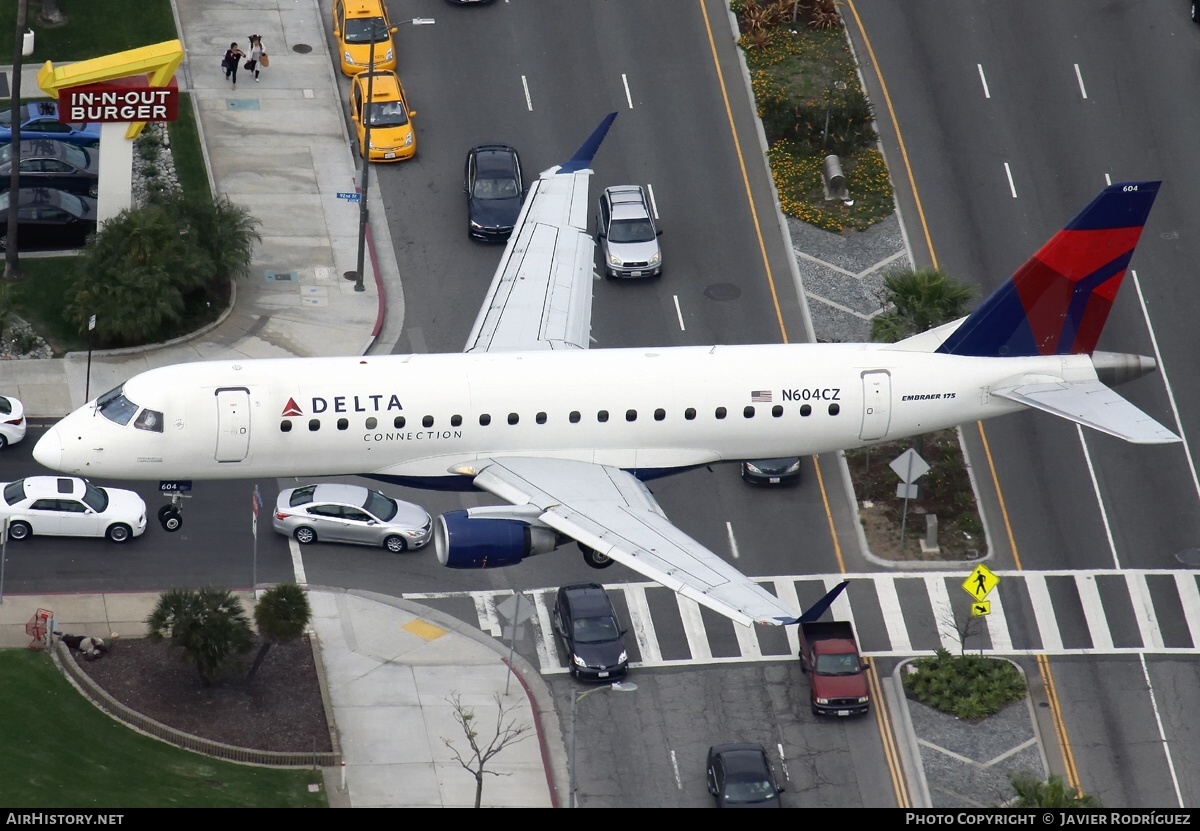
(151, 420)
(114, 406)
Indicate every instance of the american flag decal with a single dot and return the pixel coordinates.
(760, 396)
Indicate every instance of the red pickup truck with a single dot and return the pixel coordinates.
(837, 673)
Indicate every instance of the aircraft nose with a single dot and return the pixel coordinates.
(49, 449)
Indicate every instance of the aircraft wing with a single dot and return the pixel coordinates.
(611, 511)
(541, 294)
(1094, 405)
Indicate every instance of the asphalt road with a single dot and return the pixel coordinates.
(1013, 117)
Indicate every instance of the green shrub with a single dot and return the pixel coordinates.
(966, 686)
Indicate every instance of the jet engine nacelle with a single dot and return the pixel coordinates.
(463, 541)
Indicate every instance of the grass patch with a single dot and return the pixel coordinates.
(186, 150)
(93, 29)
(61, 752)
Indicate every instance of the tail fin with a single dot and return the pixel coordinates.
(1058, 301)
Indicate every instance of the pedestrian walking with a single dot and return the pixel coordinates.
(258, 55)
(233, 57)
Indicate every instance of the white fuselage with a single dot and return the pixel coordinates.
(649, 410)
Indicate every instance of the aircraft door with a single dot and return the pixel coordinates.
(233, 424)
(877, 404)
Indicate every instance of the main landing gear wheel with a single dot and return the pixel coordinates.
(594, 558)
(170, 518)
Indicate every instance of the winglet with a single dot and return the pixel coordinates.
(582, 159)
(822, 606)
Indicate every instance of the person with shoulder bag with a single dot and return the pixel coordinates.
(233, 56)
(258, 56)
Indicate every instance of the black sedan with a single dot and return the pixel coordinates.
(784, 471)
(494, 189)
(587, 623)
(48, 219)
(53, 164)
(740, 776)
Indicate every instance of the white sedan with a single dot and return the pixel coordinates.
(68, 506)
(12, 421)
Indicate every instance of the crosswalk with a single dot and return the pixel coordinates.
(1101, 612)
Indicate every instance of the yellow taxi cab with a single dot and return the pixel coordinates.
(353, 23)
(392, 136)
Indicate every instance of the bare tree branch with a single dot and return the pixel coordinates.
(507, 731)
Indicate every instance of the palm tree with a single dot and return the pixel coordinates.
(282, 614)
(923, 299)
(1052, 793)
(208, 625)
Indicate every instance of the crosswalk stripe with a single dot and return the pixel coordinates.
(997, 625)
(1093, 611)
(1189, 597)
(893, 615)
(943, 611)
(485, 607)
(642, 623)
(785, 590)
(693, 628)
(1043, 612)
(546, 649)
(1143, 610)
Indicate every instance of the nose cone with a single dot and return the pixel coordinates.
(48, 450)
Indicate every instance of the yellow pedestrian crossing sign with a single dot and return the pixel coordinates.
(981, 608)
(981, 582)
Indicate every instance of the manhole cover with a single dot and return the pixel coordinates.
(301, 48)
(722, 291)
(1189, 557)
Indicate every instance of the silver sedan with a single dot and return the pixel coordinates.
(352, 514)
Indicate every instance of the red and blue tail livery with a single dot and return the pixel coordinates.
(1058, 301)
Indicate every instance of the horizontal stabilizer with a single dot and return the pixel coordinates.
(1094, 405)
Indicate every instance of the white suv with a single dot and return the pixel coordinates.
(628, 238)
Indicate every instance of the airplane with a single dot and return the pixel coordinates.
(567, 436)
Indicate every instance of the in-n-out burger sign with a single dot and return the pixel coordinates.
(122, 102)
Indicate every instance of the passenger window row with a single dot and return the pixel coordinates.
(602, 416)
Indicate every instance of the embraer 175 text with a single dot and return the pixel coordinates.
(566, 436)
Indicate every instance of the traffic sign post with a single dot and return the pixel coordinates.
(980, 584)
(255, 506)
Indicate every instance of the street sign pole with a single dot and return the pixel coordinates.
(255, 506)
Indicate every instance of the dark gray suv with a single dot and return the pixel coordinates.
(628, 238)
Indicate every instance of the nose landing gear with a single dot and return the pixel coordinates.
(170, 516)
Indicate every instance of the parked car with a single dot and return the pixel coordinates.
(350, 514)
(627, 236)
(494, 189)
(12, 421)
(48, 219)
(353, 23)
(594, 641)
(53, 164)
(741, 776)
(39, 120)
(67, 506)
(784, 471)
(392, 135)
